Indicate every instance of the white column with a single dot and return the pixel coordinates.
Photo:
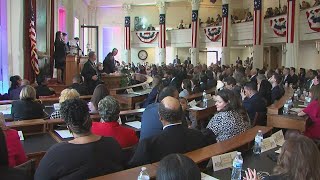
(292, 45)
(258, 31)
(226, 31)
(127, 32)
(194, 50)
(161, 4)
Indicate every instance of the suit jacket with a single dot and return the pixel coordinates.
(150, 122)
(173, 139)
(276, 93)
(175, 83)
(253, 105)
(176, 61)
(15, 93)
(287, 79)
(26, 109)
(294, 79)
(87, 72)
(80, 88)
(109, 64)
(44, 90)
(151, 97)
(254, 79)
(265, 91)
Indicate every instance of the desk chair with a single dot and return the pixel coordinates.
(29, 167)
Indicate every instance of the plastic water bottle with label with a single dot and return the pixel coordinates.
(257, 143)
(237, 167)
(143, 174)
(286, 108)
(204, 98)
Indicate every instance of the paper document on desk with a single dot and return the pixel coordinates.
(64, 134)
(268, 144)
(6, 108)
(193, 103)
(207, 177)
(223, 161)
(302, 106)
(278, 151)
(278, 138)
(20, 134)
(135, 124)
(196, 108)
(297, 110)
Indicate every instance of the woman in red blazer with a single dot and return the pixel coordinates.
(10, 146)
(109, 110)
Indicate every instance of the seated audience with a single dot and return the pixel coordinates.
(15, 93)
(302, 77)
(264, 88)
(178, 167)
(191, 120)
(310, 77)
(316, 3)
(156, 88)
(313, 112)
(78, 85)
(65, 95)
(277, 90)
(150, 123)
(186, 88)
(231, 118)
(294, 77)
(99, 93)
(253, 75)
(181, 25)
(42, 89)
(249, 17)
(195, 86)
(27, 107)
(269, 13)
(231, 84)
(299, 159)
(15, 154)
(305, 5)
(109, 111)
(15, 83)
(84, 157)
(276, 11)
(253, 103)
(175, 138)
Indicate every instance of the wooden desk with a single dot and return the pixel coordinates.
(129, 174)
(29, 127)
(51, 100)
(203, 115)
(132, 99)
(198, 96)
(144, 79)
(112, 80)
(287, 121)
(207, 152)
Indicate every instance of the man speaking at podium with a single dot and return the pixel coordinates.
(109, 63)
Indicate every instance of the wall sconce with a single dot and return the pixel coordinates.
(318, 46)
(284, 49)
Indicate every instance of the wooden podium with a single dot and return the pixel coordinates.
(71, 69)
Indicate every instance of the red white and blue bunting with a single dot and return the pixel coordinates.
(147, 36)
(279, 26)
(313, 17)
(213, 33)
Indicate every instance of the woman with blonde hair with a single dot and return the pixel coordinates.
(299, 160)
(65, 95)
(27, 107)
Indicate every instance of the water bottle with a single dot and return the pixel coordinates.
(286, 108)
(143, 174)
(257, 143)
(205, 100)
(237, 167)
(298, 91)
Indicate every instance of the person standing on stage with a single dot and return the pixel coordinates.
(90, 72)
(59, 56)
(109, 63)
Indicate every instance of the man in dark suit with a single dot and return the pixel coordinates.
(78, 85)
(150, 123)
(286, 76)
(109, 63)
(175, 138)
(90, 72)
(176, 60)
(277, 90)
(253, 74)
(294, 77)
(252, 101)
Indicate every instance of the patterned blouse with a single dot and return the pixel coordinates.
(227, 124)
(55, 115)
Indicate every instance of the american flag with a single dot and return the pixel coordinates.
(225, 21)
(291, 20)
(257, 20)
(194, 26)
(127, 33)
(33, 42)
(162, 36)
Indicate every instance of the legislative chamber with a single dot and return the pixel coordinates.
(160, 89)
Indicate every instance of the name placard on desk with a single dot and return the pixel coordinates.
(278, 138)
(223, 161)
